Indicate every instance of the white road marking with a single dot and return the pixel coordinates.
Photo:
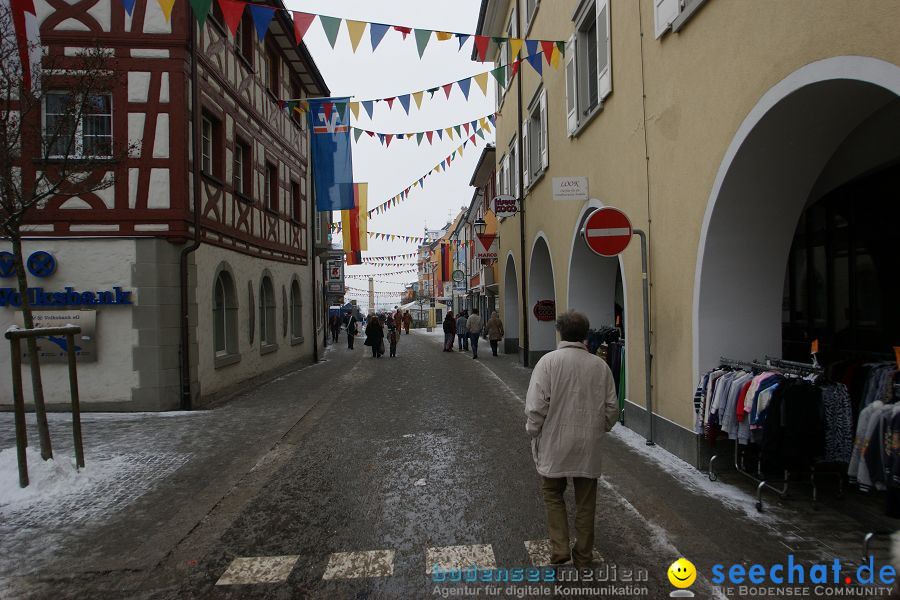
(351, 565)
(540, 550)
(261, 569)
(449, 558)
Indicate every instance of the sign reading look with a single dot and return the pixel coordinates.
(607, 231)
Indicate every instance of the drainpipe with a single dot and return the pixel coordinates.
(186, 397)
(310, 253)
(521, 194)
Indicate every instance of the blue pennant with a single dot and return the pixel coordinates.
(262, 16)
(464, 85)
(377, 30)
(404, 102)
(463, 38)
(368, 105)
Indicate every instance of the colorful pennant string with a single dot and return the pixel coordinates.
(420, 135)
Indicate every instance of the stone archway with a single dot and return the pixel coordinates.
(511, 307)
(541, 334)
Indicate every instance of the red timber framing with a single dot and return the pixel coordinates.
(151, 104)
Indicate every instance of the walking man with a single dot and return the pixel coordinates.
(474, 326)
(461, 331)
(570, 405)
(407, 321)
(352, 330)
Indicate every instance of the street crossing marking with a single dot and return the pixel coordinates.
(260, 569)
(351, 565)
(449, 558)
(540, 550)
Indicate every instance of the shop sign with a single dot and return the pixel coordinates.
(336, 288)
(458, 276)
(335, 270)
(570, 188)
(486, 246)
(38, 298)
(53, 349)
(545, 310)
(504, 206)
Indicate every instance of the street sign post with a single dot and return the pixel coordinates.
(607, 231)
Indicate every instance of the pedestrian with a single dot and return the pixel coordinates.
(449, 332)
(375, 337)
(393, 337)
(570, 405)
(461, 331)
(398, 319)
(407, 321)
(494, 331)
(474, 326)
(335, 325)
(352, 330)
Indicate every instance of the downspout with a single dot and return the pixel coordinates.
(521, 194)
(186, 397)
(310, 250)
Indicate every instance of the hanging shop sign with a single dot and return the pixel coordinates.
(486, 247)
(335, 270)
(458, 276)
(570, 188)
(504, 206)
(607, 231)
(53, 349)
(545, 310)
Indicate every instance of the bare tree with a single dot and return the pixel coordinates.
(52, 143)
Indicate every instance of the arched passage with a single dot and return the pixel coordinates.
(511, 306)
(541, 334)
(810, 134)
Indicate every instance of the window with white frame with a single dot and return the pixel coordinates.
(530, 9)
(79, 127)
(266, 312)
(514, 167)
(588, 63)
(296, 311)
(672, 14)
(535, 153)
(225, 322)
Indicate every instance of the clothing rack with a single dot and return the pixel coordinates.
(786, 367)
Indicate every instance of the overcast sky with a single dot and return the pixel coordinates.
(392, 70)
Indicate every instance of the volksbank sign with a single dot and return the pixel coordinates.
(38, 298)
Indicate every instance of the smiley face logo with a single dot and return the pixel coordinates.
(682, 573)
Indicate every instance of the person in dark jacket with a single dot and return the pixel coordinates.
(449, 331)
(375, 336)
(352, 330)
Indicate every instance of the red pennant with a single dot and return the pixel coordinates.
(232, 11)
(302, 21)
(466, 125)
(447, 88)
(371, 133)
(404, 30)
(429, 135)
(388, 139)
(327, 106)
(390, 102)
(515, 68)
(548, 47)
(472, 139)
(481, 44)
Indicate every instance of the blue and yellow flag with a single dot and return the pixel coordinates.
(331, 155)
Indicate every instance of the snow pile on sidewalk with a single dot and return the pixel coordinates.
(51, 482)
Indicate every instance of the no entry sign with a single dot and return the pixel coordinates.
(607, 231)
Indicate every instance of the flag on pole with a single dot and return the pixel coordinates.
(331, 155)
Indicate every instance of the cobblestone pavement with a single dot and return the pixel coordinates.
(354, 478)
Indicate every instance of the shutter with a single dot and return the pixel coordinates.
(545, 141)
(571, 88)
(604, 51)
(664, 12)
(526, 154)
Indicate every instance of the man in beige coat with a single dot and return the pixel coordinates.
(571, 404)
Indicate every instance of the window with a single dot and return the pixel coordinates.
(512, 31)
(210, 146)
(513, 168)
(78, 127)
(535, 155)
(673, 14)
(501, 176)
(272, 72)
(244, 37)
(271, 187)
(243, 163)
(296, 311)
(530, 9)
(296, 204)
(588, 64)
(225, 316)
(266, 312)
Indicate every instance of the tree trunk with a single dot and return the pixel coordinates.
(40, 409)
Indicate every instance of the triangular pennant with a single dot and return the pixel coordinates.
(354, 108)
(432, 91)
(302, 21)
(368, 105)
(500, 75)
(493, 120)
(331, 26)
(388, 138)
(356, 29)
(423, 36)
(482, 80)
(357, 133)
(443, 36)
(463, 38)
(166, 6)
(417, 96)
(479, 133)
(466, 126)
(440, 134)
(377, 31)
(472, 138)
(535, 61)
(381, 138)
(484, 125)
(429, 135)
(449, 132)
(554, 60)
(341, 108)
(404, 102)
(514, 68)
(456, 128)
(201, 9)
(262, 16)
(419, 137)
(561, 46)
(327, 106)
(515, 46)
(447, 88)
(370, 133)
(547, 47)
(390, 102)
(128, 5)
(481, 44)
(404, 30)
(464, 85)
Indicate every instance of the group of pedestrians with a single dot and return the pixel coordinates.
(384, 330)
(468, 328)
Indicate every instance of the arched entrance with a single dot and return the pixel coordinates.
(511, 306)
(541, 334)
(827, 124)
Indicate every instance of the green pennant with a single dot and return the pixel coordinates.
(562, 47)
(457, 129)
(480, 133)
(340, 108)
(201, 9)
(291, 105)
(419, 137)
(357, 133)
(499, 40)
(453, 155)
(423, 36)
(331, 25)
(500, 75)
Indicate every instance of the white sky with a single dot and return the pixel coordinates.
(392, 70)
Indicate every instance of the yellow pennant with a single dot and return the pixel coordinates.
(166, 6)
(449, 132)
(443, 35)
(356, 29)
(515, 44)
(554, 58)
(460, 150)
(482, 81)
(354, 108)
(484, 125)
(418, 98)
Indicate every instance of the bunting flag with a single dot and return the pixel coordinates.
(201, 9)
(262, 16)
(393, 237)
(409, 136)
(302, 21)
(232, 10)
(390, 257)
(423, 36)
(356, 29)
(377, 31)
(331, 26)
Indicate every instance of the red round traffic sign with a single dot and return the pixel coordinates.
(607, 231)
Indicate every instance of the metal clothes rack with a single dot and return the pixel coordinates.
(786, 367)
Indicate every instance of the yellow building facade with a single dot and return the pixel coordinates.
(717, 127)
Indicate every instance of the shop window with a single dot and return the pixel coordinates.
(535, 154)
(77, 127)
(211, 146)
(271, 187)
(225, 317)
(243, 168)
(588, 64)
(267, 331)
(296, 311)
